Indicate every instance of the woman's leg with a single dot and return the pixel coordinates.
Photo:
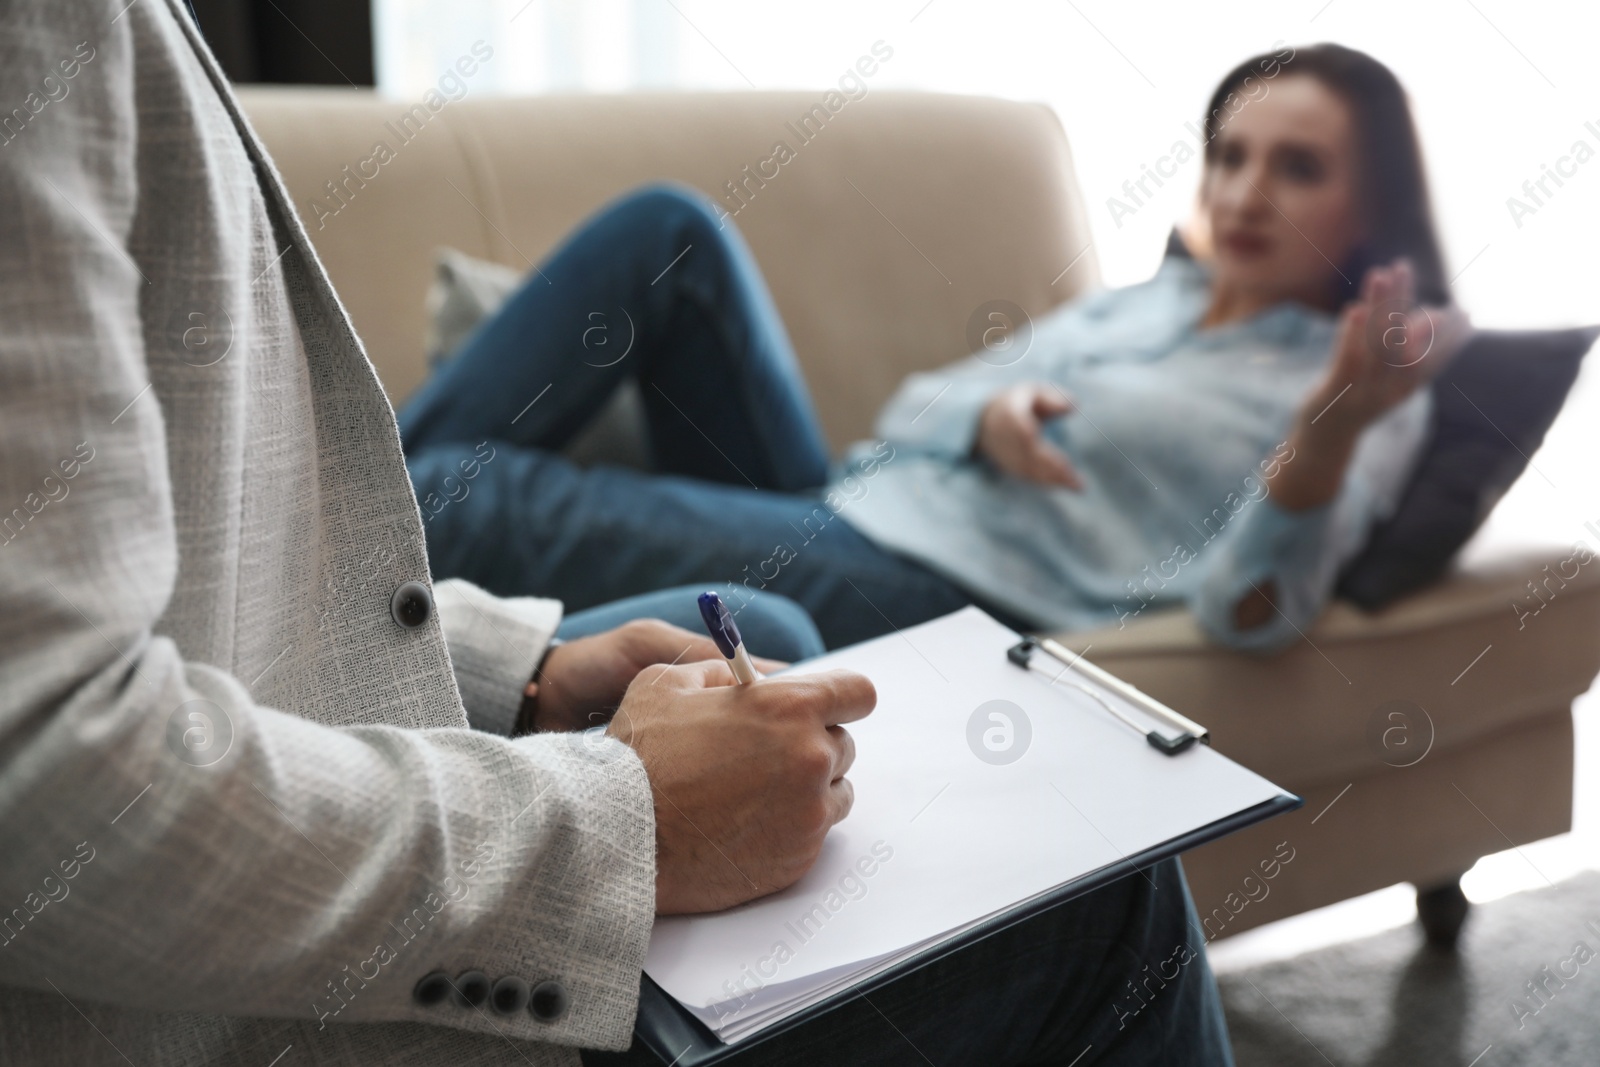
(772, 626)
(651, 287)
(532, 523)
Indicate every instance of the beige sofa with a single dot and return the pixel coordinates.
(880, 239)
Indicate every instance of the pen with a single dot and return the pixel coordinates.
(725, 632)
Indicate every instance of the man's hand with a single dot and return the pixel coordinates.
(1010, 435)
(582, 681)
(748, 779)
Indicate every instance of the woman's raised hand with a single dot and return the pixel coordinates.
(1010, 435)
(1387, 346)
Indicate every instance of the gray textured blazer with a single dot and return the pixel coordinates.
(243, 809)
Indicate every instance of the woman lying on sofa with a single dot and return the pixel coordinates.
(1222, 435)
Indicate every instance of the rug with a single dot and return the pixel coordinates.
(1523, 988)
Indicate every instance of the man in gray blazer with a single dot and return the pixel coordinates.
(263, 797)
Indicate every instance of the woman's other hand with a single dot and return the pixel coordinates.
(1010, 435)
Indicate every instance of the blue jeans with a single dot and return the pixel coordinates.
(733, 502)
(771, 625)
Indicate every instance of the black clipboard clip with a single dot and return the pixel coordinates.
(1184, 731)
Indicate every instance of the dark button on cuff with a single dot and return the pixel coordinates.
(431, 989)
(548, 1002)
(509, 996)
(472, 989)
(411, 605)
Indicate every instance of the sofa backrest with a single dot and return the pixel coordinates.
(883, 232)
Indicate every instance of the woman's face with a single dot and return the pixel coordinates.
(1281, 193)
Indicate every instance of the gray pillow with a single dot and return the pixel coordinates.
(1491, 408)
(465, 291)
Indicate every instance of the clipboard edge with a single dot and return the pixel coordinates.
(671, 1031)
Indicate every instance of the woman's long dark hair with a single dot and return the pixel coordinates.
(1392, 188)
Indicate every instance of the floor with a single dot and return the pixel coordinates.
(1533, 866)
(1514, 993)
(1554, 503)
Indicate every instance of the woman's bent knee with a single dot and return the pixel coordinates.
(774, 626)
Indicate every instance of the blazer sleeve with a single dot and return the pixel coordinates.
(495, 644)
(313, 872)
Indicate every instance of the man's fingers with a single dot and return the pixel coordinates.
(699, 674)
(762, 663)
(844, 751)
(832, 696)
(658, 641)
(841, 798)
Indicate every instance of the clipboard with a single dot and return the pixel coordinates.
(677, 1037)
(674, 1033)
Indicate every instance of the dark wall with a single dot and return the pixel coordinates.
(316, 42)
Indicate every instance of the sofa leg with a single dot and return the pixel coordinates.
(1442, 909)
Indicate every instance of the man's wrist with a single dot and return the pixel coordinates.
(527, 714)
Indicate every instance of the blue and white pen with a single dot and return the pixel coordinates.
(725, 632)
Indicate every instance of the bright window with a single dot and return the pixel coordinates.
(1499, 94)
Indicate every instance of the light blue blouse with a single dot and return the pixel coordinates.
(1174, 428)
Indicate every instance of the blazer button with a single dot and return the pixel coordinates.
(548, 1002)
(411, 605)
(472, 989)
(509, 995)
(431, 989)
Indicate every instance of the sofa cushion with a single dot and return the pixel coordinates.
(879, 240)
(1491, 408)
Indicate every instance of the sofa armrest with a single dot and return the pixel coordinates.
(1477, 653)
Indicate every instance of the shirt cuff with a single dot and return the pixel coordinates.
(494, 644)
(1274, 545)
(1281, 540)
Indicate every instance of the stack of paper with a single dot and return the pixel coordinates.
(979, 785)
